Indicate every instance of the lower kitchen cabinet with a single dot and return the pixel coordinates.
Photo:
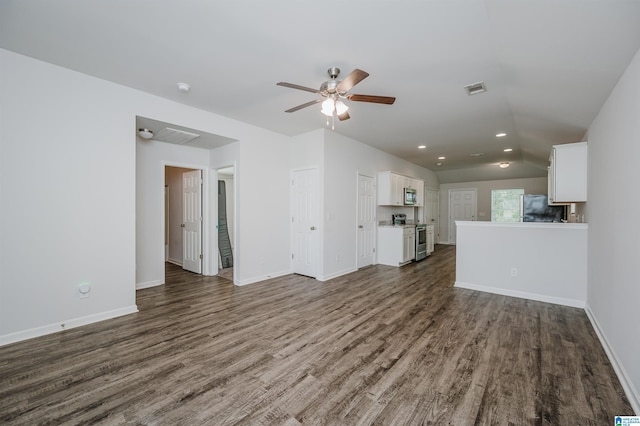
(431, 239)
(396, 245)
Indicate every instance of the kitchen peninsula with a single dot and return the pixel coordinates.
(538, 261)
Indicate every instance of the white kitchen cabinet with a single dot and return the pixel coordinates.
(396, 245)
(568, 173)
(431, 239)
(409, 244)
(391, 189)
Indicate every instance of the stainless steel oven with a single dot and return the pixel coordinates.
(421, 242)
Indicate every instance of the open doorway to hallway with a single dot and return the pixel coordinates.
(226, 222)
(183, 218)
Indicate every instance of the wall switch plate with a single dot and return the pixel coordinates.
(514, 272)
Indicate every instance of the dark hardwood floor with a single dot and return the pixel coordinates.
(381, 346)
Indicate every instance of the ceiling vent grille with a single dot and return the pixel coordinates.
(175, 136)
(475, 88)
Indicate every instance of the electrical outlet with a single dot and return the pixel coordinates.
(514, 272)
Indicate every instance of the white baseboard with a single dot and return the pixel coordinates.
(336, 274)
(627, 385)
(259, 278)
(175, 261)
(65, 325)
(574, 303)
(149, 284)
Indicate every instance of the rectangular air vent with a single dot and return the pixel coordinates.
(475, 88)
(179, 137)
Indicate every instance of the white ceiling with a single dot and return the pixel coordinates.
(549, 65)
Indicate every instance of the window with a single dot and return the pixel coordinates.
(505, 205)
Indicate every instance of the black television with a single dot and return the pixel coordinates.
(536, 208)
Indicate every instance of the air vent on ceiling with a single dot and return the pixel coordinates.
(475, 88)
(175, 136)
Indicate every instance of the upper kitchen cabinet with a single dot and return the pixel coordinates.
(568, 173)
(391, 188)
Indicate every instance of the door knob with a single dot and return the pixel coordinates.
(313, 228)
(182, 225)
(360, 226)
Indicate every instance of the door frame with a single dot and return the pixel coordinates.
(207, 219)
(450, 217)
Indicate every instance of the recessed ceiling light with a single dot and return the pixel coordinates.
(501, 135)
(504, 164)
(422, 147)
(184, 87)
(508, 149)
(438, 164)
(441, 158)
(477, 154)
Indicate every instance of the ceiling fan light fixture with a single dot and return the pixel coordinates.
(504, 164)
(341, 107)
(328, 107)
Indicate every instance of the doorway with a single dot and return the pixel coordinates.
(462, 206)
(184, 217)
(226, 222)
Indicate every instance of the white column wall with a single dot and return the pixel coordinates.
(614, 231)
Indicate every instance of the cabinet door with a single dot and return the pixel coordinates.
(430, 239)
(419, 192)
(568, 173)
(409, 252)
(397, 190)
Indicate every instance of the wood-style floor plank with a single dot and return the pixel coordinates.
(381, 346)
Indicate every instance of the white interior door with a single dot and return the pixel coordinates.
(304, 222)
(366, 220)
(432, 208)
(192, 221)
(462, 206)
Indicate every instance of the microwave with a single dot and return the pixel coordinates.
(410, 197)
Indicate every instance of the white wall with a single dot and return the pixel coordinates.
(344, 159)
(614, 229)
(484, 188)
(550, 260)
(72, 219)
(67, 176)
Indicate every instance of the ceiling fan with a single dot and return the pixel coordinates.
(333, 92)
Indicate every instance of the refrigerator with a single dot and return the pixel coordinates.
(536, 208)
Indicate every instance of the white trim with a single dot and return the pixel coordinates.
(574, 303)
(338, 274)
(148, 284)
(175, 262)
(65, 325)
(627, 384)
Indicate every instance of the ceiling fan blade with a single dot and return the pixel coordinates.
(355, 77)
(296, 86)
(296, 108)
(388, 100)
(344, 116)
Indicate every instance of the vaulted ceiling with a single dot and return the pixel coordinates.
(548, 66)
